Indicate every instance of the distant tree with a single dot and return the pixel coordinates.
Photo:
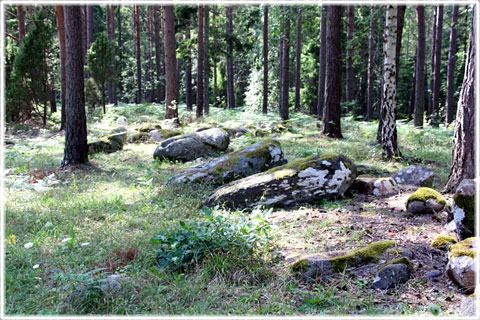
(419, 108)
(322, 64)
(229, 40)
(171, 100)
(285, 70)
(206, 61)
(136, 15)
(188, 73)
(63, 75)
(76, 149)
(200, 69)
(350, 53)
(158, 53)
(371, 62)
(90, 35)
(100, 64)
(436, 71)
(150, 43)
(463, 155)
(389, 134)
(333, 92)
(265, 61)
(297, 59)
(21, 24)
(450, 107)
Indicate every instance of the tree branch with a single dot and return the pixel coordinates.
(10, 36)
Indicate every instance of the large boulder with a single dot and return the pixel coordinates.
(255, 158)
(304, 180)
(464, 209)
(461, 267)
(108, 144)
(191, 146)
(425, 200)
(415, 175)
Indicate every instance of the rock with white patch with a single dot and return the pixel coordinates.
(415, 175)
(461, 267)
(305, 180)
(464, 209)
(379, 187)
(187, 147)
(122, 121)
(255, 158)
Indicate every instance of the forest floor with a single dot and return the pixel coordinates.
(67, 228)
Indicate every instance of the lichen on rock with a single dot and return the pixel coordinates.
(442, 241)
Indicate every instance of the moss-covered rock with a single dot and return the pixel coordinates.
(464, 209)
(108, 144)
(305, 180)
(138, 137)
(162, 134)
(147, 127)
(401, 260)
(425, 200)
(461, 267)
(442, 241)
(415, 175)
(255, 158)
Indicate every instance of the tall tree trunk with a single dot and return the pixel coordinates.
(230, 88)
(171, 100)
(333, 93)
(450, 107)
(63, 73)
(120, 54)
(322, 65)
(215, 44)
(112, 30)
(84, 33)
(151, 42)
(420, 65)
(188, 74)
(411, 103)
(164, 68)
(265, 61)
(463, 154)
(285, 70)
(90, 38)
(432, 64)
(158, 54)
(206, 62)
(436, 71)
(108, 25)
(200, 58)
(400, 23)
(389, 134)
(297, 58)
(138, 52)
(371, 62)
(76, 149)
(349, 71)
(21, 24)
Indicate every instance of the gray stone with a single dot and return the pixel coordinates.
(108, 144)
(255, 158)
(122, 121)
(433, 274)
(305, 180)
(468, 307)
(380, 187)
(162, 134)
(464, 209)
(391, 276)
(429, 206)
(416, 175)
(119, 129)
(188, 147)
(461, 267)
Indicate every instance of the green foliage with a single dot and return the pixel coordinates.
(27, 87)
(186, 243)
(100, 65)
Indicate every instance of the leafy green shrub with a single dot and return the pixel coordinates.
(184, 244)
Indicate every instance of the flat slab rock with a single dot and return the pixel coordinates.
(306, 180)
(417, 175)
(255, 158)
(191, 146)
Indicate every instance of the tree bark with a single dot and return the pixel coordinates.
(411, 103)
(436, 72)
(229, 33)
(265, 61)
(150, 44)
(171, 100)
(21, 24)
(164, 68)
(285, 70)
(463, 154)
(188, 74)
(63, 73)
(136, 9)
(349, 69)
(389, 134)
(200, 49)
(432, 64)
(322, 65)
(419, 108)
(400, 23)
(297, 58)
(90, 38)
(206, 62)
(333, 92)
(450, 107)
(158, 54)
(371, 62)
(84, 33)
(76, 149)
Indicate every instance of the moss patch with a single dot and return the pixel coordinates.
(442, 240)
(467, 203)
(462, 248)
(402, 260)
(299, 265)
(294, 167)
(168, 133)
(423, 194)
(369, 254)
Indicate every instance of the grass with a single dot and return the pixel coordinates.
(84, 219)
